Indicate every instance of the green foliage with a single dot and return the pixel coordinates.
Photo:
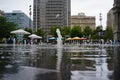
(28, 30)
(108, 33)
(6, 27)
(95, 33)
(53, 30)
(76, 31)
(65, 30)
(98, 29)
(40, 32)
(87, 32)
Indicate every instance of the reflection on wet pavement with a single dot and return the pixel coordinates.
(26, 73)
(34, 63)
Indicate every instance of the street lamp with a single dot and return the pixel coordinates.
(57, 17)
(100, 21)
(100, 33)
(30, 13)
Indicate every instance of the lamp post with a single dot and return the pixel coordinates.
(57, 17)
(100, 21)
(30, 13)
(100, 33)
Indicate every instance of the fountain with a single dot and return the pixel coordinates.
(59, 50)
(59, 39)
(41, 62)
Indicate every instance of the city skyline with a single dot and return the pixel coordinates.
(48, 13)
(90, 8)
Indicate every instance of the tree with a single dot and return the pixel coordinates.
(28, 30)
(108, 34)
(6, 27)
(40, 32)
(95, 34)
(76, 31)
(65, 30)
(87, 32)
(53, 30)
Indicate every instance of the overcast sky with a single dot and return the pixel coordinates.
(89, 7)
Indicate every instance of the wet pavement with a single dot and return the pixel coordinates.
(30, 62)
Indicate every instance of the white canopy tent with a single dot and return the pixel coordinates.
(20, 31)
(35, 36)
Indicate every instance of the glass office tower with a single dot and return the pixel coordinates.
(48, 13)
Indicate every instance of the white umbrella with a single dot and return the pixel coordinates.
(34, 36)
(20, 31)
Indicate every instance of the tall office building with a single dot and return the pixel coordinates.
(19, 18)
(48, 13)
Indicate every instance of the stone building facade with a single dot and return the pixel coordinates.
(82, 20)
(116, 11)
(110, 19)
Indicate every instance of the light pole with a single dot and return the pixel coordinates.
(100, 33)
(57, 17)
(100, 21)
(36, 15)
(30, 13)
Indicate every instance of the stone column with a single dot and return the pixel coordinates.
(116, 10)
(116, 73)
